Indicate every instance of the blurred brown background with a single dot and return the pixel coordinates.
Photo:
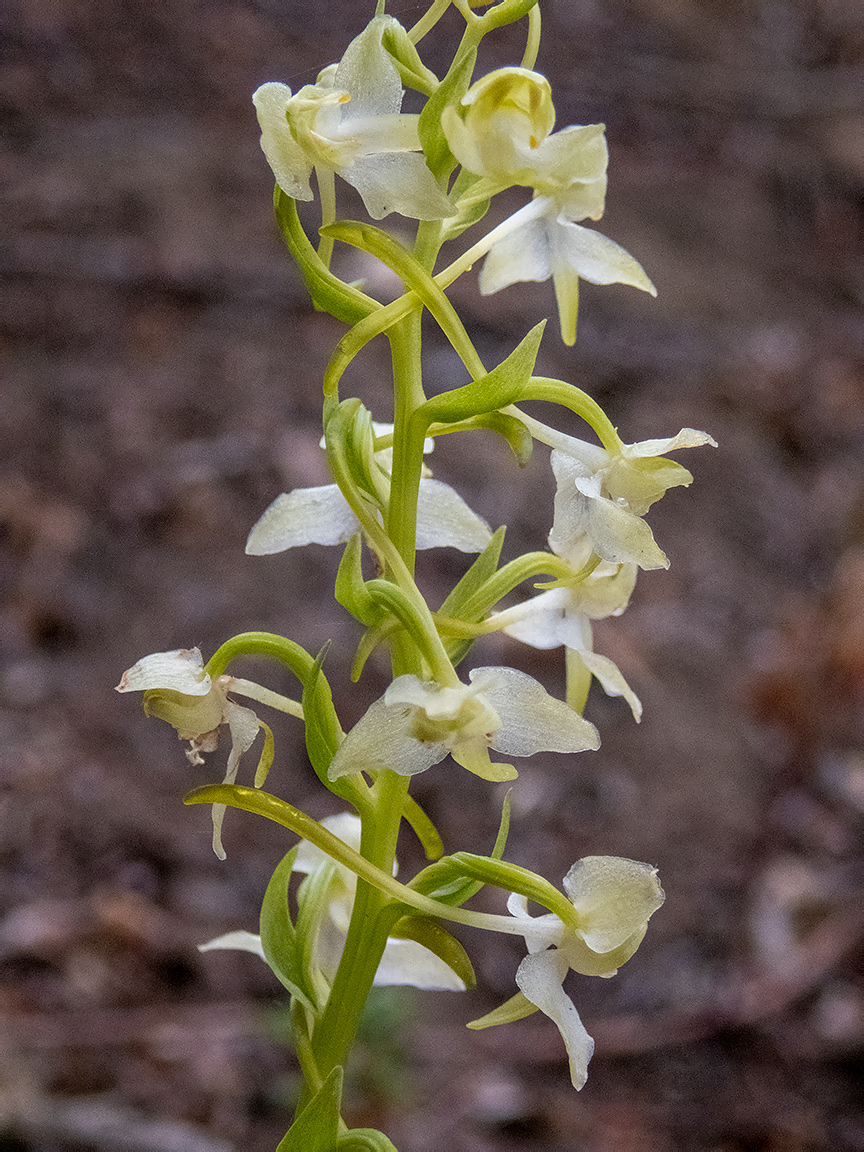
(161, 375)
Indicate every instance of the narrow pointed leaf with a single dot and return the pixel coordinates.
(279, 937)
(502, 386)
(483, 568)
(350, 589)
(452, 88)
(317, 1126)
(423, 828)
(323, 731)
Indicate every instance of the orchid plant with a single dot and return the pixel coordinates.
(349, 923)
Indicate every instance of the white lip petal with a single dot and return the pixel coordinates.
(303, 516)
(444, 520)
(609, 675)
(539, 978)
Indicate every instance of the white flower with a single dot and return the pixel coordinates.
(177, 689)
(563, 615)
(350, 123)
(415, 724)
(603, 494)
(549, 243)
(403, 962)
(502, 131)
(614, 899)
(321, 515)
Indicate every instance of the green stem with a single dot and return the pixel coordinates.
(266, 644)
(408, 395)
(327, 190)
(532, 47)
(367, 933)
(427, 22)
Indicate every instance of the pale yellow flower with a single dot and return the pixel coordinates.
(350, 123)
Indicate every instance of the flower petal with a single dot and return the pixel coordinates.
(543, 622)
(566, 282)
(304, 516)
(576, 155)
(606, 592)
(523, 254)
(243, 725)
(613, 897)
(616, 533)
(609, 675)
(284, 155)
(181, 670)
(368, 73)
(594, 256)
(686, 438)
(237, 941)
(396, 181)
(380, 740)
(444, 520)
(540, 979)
(532, 720)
